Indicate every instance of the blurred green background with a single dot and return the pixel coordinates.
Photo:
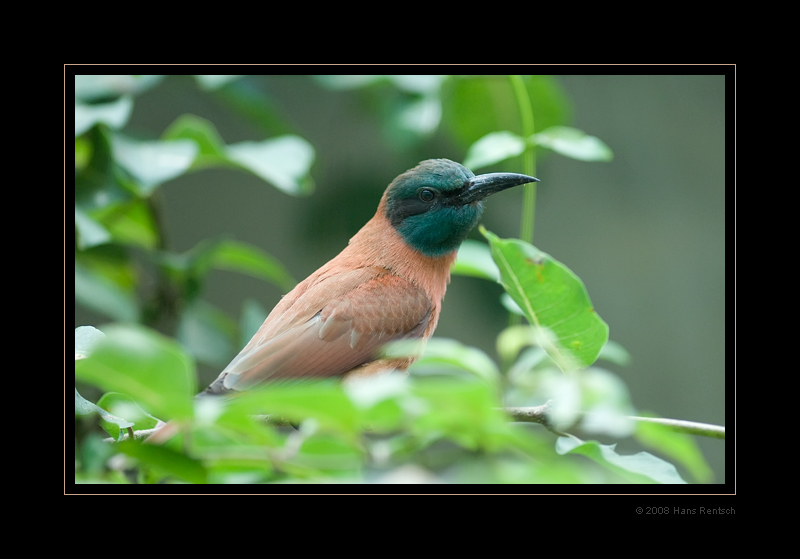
(645, 232)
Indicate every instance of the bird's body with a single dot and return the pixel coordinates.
(386, 285)
(378, 289)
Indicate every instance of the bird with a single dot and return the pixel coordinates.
(387, 284)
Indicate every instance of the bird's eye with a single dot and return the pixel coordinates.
(426, 194)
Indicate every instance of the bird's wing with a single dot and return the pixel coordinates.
(337, 323)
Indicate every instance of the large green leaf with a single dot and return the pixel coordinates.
(554, 301)
(641, 467)
(151, 369)
(283, 161)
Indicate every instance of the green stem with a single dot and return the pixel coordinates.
(528, 167)
(528, 157)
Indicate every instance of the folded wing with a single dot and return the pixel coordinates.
(337, 322)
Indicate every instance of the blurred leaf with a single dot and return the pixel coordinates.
(96, 186)
(94, 87)
(117, 406)
(89, 233)
(510, 305)
(250, 97)
(383, 400)
(475, 259)
(346, 81)
(493, 148)
(678, 446)
(83, 153)
(284, 162)
(131, 223)
(153, 162)
(573, 143)
(148, 367)
(114, 114)
(511, 341)
(203, 133)
(641, 467)
(440, 351)
(206, 333)
(215, 82)
(606, 403)
(553, 299)
(615, 353)
(86, 338)
(110, 422)
(247, 259)
(324, 402)
(103, 296)
(165, 460)
(478, 105)
(464, 411)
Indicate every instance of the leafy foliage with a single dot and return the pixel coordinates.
(443, 423)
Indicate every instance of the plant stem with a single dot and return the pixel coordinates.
(528, 157)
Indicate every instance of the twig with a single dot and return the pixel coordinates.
(538, 414)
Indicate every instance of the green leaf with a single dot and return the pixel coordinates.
(553, 299)
(440, 351)
(114, 114)
(89, 232)
(132, 223)
(165, 460)
(475, 259)
(678, 446)
(151, 163)
(203, 133)
(465, 411)
(147, 366)
(639, 467)
(247, 259)
(284, 162)
(573, 143)
(117, 406)
(324, 402)
(110, 422)
(101, 295)
(493, 148)
(383, 400)
(615, 353)
(101, 86)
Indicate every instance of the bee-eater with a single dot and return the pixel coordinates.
(386, 285)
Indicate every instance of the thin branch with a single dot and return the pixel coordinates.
(538, 414)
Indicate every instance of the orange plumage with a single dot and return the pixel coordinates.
(386, 285)
(378, 289)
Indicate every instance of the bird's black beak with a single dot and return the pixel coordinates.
(478, 188)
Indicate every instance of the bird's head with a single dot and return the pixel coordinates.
(434, 205)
